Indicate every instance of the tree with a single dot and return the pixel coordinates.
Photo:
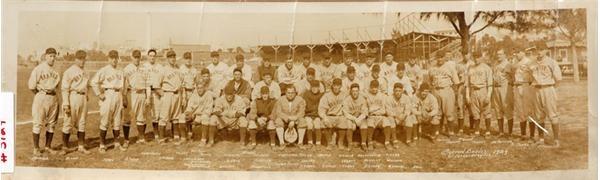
(464, 28)
(569, 23)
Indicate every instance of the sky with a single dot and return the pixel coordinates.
(38, 30)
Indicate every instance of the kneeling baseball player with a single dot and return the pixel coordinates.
(229, 113)
(430, 111)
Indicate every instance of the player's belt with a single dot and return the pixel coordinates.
(49, 92)
(139, 91)
(375, 115)
(189, 89)
(438, 88)
(174, 92)
(543, 86)
(112, 89)
(520, 84)
(77, 92)
(476, 87)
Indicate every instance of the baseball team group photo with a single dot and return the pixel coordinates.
(363, 92)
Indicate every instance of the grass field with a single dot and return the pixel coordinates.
(227, 155)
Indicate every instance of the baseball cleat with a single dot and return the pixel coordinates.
(36, 152)
(202, 144)
(388, 147)
(50, 150)
(252, 147)
(63, 151)
(364, 147)
(396, 144)
(126, 144)
(82, 149)
(120, 147)
(102, 149)
(210, 144)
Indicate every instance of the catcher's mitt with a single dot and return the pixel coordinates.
(290, 135)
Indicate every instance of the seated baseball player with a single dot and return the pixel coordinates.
(229, 113)
(198, 111)
(311, 114)
(304, 84)
(430, 110)
(211, 85)
(375, 75)
(261, 117)
(266, 68)
(288, 74)
(289, 112)
(350, 79)
(330, 110)
(378, 114)
(405, 110)
(267, 81)
(241, 87)
(355, 112)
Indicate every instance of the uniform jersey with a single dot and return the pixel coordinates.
(218, 72)
(331, 104)
(108, 77)
(388, 70)
(346, 83)
(154, 73)
(246, 72)
(189, 75)
(312, 103)
(415, 71)
(289, 76)
(328, 73)
(404, 106)
(171, 79)
(480, 76)
(502, 73)
(262, 108)
(74, 79)
(430, 105)
(383, 84)
(377, 104)
(521, 71)
(274, 90)
(443, 76)
(364, 71)
(201, 104)
(405, 81)
(355, 107)
(137, 76)
(227, 109)
(43, 78)
(290, 109)
(303, 69)
(545, 72)
(304, 86)
(343, 68)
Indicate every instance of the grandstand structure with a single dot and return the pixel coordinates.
(407, 38)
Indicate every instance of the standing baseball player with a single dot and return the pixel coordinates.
(399, 77)
(239, 64)
(364, 70)
(524, 100)
(189, 74)
(218, 70)
(170, 90)
(139, 92)
(350, 79)
(199, 109)
(389, 67)
(267, 81)
(546, 74)
(306, 64)
(288, 75)
(108, 84)
(304, 84)
(311, 114)
(211, 85)
(261, 117)
(414, 70)
(229, 113)
(330, 111)
(444, 78)
(502, 94)
(375, 75)
(266, 67)
(74, 87)
(461, 99)
(43, 82)
(379, 112)
(479, 82)
(289, 112)
(355, 115)
(154, 73)
(329, 72)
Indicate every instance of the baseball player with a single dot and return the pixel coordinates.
(154, 72)
(306, 64)
(348, 62)
(138, 89)
(265, 68)
(355, 115)
(502, 94)
(461, 99)
(379, 112)
(199, 109)
(289, 112)
(211, 85)
(546, 74)
(189, 74)
(170, 90)
(74, 87)
(329, 72)
(229, 113)
(304, 84)
(389, 67)
(364, 70)
(108, 84)
(413, 69)
(444, 78)
(288, 74)
(43, 82)
(399, 76)
(218, 70)
(430, 111)
(240, 86)
(330, 111)
(350, 79)
(375, 75)
(311, 114)
(404, 113)
(261, 117)
(479, 81)
(267, 81)
(239, 64)
(524, 93)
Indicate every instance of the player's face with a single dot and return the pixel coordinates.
(205, 77)
(188, 61)
(237, 75)
(373, 90)
(520, 55)
(315, 90)
(50, 59)
(290, 93)
(200, 89)
(374, 74)
(351, 76)
(264, 96)
(370, 61)
(336, 89)
(412, 61)
(80, 62)
(152, 57)
(306, 62)
(136, 60)
(348, 61)
(289, 63)
(327, 61)
(268, 79)
(229, 97)
(267, 63)
(501, 57)
(389, 59)
(310, 77)
(400, 72)
(215, 60)
(398, 92)
(172, 60)
(354, 92)
(441, 61)
(239, 64)
(423, 93)
(113, 61)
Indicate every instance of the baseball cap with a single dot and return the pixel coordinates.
(264, 90)
(80, 54)
(310, 71)
(376, 68)
(354, 85)
(152, 50)
(50, 51)
(424, 86)
(350, 69)
(398, 85)
(204, 71)
(400, 66)
(113, 54)
(171, 54)
(187, 55)
(239, 57)
(214, 54)
(337, 81)
(374, 83)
